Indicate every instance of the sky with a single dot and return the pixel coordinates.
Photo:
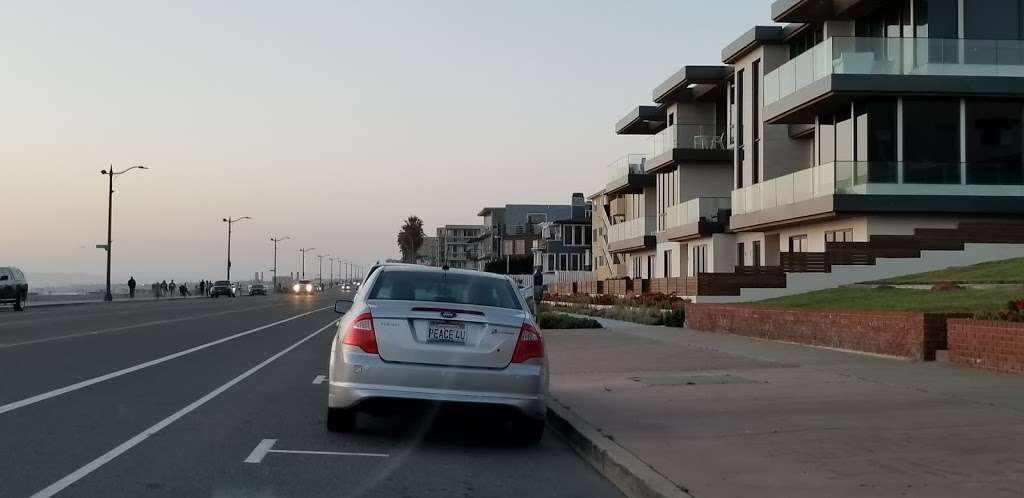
(327, 122)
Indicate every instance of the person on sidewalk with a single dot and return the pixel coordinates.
(183, 290)
(171, 288)
(163, 287)
(202, 287)
(131, 287)
(538, 289)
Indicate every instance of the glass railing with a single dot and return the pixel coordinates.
(626, 165)
(631, 229)
(692, 211)
(883, 178)
(686, 136)
(895, 56)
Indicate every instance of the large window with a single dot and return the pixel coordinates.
(937, 18)
(826, 136)
(994, 143)
(992, 19)
(931, 141)
(876, 130)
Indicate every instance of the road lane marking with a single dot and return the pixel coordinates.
(129, 327)
(120, 449)
(319, 379)
(267, 446)
(125, 371)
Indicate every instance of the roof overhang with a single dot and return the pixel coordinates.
(642, 120)
(685, 84)
(755, 37)
(822, 10)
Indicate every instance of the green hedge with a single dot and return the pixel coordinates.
(552, 321)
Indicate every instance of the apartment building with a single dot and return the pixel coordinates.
(455, 247)
(662, 212)
(874, 139)
(514, 230)
(565, 244)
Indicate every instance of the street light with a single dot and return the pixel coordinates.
(231, 221)
(321, 257)
(332, 270)
(110, 173)
(304, 251)
(275, 240)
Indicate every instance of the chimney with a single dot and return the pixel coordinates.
(578, 199)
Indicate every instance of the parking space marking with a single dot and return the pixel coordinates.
(113, 375)
(120, 449)
(267, 446)
(319, 379)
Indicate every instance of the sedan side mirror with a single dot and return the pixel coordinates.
(342, 306)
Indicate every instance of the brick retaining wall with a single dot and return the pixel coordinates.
(895, 333)
(987, 344)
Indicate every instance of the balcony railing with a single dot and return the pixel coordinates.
(692, 211)
(895, 56)
(882, 178)
(631, 229)
(686, 136)
(626, 165)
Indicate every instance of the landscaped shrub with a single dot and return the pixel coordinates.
(1014, 312)
(675, 318)
(552, 321)
(650, 300)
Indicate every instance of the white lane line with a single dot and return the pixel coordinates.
(125, 371)
(142, 436)
(267, 446)
(128, 327)
(319, 379)
(260, 451)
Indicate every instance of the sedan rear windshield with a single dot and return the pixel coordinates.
(441, 287)
(222, 282)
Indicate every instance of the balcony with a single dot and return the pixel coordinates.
(858, 186)
(861, 65)
(632, 235)
(628, 175)
(693, 218)
(687, 143)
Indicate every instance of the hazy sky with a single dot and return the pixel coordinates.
(325, 121)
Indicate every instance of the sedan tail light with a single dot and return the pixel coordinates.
(360, 333)
(530, 344)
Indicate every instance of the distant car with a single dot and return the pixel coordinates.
(13, 288)
(428, 336)
(257, 290)
(304, 287)
(223, 288)
(346, 287)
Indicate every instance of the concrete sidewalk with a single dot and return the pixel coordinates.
(727, 416)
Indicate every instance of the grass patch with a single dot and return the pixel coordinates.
(553, 321)
(954, 301)
(1008, 271)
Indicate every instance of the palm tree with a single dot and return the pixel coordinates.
(410, 238)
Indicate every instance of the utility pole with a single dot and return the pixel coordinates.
(110, 219)
(231, 221)
(276, 240)
(304, 251)
(321, 258)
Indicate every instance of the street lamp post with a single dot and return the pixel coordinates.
(231, 221)
(276, 240)
(332, 270)
(320, 258)
(304, 251)
(110, 218)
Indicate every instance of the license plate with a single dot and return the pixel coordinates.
(446, 333)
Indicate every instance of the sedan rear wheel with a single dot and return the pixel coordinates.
(527, 431)
(341, 420)
(19, 304)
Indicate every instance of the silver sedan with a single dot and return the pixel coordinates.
(417, 334)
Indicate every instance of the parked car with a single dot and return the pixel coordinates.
(223, 288)
(304, 287)
(424, 335)
(13, 287)
(257, 290)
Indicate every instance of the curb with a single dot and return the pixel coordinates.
(60, 304)
(632, 476)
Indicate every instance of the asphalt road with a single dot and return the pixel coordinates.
(222, 398)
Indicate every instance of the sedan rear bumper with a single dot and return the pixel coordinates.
(358, 377)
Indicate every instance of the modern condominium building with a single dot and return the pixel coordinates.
(565, 243)
(514, 230)
(455, 246)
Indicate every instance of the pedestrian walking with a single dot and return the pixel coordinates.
(172, 288)
(163, 287)
(202, 287)
(131, 287)
(156, 290)
(538, 289)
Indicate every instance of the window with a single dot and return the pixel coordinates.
(826, 136)
(436, 286)
(937, 18)
(994, 148)
(566, 235)
(588, 214)
(798, 243)
(579, 230)
(992, 19)
(741, 255)
(700, 259)
(589, 236)
(667, 264)
(671, 118)
(739, 129)
(574, 261)
(876, 131)
(844, 235)
(563, 262)
(651, 261)
(637, 269)
(755, 124)
(756, 246)
(931, 141)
